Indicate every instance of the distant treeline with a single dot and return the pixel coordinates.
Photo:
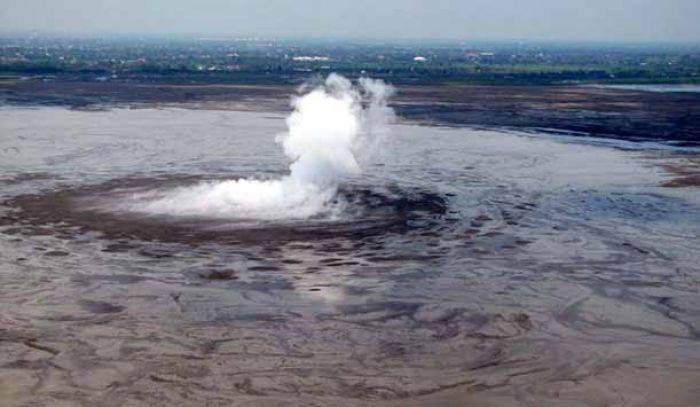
(290, 62)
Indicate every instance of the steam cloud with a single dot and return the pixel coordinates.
(329, 133)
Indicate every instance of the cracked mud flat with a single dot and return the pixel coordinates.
(478, 268)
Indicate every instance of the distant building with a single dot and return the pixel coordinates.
(310, 58)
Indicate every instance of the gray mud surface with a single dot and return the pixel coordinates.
(627, 114)
(473, 267)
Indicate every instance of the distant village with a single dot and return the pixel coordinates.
(241, 59)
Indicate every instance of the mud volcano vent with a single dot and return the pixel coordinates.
(356, 211)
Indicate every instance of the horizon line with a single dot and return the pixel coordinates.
(203, 36)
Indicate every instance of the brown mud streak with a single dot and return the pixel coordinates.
(687, 174)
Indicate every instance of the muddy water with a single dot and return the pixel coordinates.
(469, 268)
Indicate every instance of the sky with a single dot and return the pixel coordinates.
(560, 20)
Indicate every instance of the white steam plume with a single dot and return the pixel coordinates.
(329, 132)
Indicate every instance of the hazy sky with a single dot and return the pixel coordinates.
(628, 20)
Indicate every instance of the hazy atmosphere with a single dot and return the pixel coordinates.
(598, 20)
